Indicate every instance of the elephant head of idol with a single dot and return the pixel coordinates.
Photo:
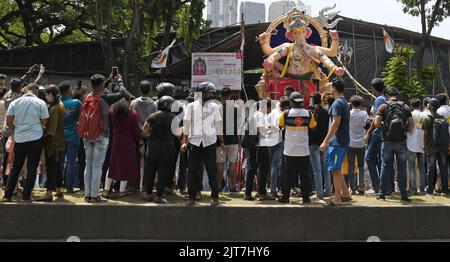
(295, 26)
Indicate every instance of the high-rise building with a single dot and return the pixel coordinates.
(281, 7)
(253, 12)
(222, 12)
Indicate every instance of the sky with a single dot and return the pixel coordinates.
(387, 12)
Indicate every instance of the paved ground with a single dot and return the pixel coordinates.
(237, 200)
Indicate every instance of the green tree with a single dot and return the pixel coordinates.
(29, 23)
(397, 74)
(431, 13)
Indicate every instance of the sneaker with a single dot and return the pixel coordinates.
(214, 203)
(87, 199)
(372, 192)
(249, 198)
(98, 199)
(182, 191)
(190, 202)
(381, 198)
(444, 194)
(160, 200)
(70, 190)
(406, 199)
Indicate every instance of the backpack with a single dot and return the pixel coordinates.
(91, 123)
(440, 131)
(395, 121)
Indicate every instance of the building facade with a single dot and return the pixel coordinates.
(222, 12)
(253, 12)
(281, 7)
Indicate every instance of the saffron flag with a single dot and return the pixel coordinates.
(388, 42)
(160, 60)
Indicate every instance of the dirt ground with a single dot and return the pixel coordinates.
(237, 200)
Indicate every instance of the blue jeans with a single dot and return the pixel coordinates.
(276, 156)
(95, 156)
(70, 157)
(441, 158)
(389, 150)
(320, 170)
(372, 157)
(412, 156)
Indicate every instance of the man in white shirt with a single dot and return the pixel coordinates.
(357, 146)
(26, 118)
(269, 137)
(415, 145)
(202, 127)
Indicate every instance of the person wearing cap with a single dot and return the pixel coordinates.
(26, 119)
(390, 115)
(202, 127)
(297, 122)
(337, 141)
(357, 146)
(415, 149)
(316, 137)
(96, 149)
(230, 156)
(435, 151)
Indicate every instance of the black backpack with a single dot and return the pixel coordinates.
(395, 121)
(440, 131)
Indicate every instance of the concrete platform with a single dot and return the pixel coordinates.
(130, 219)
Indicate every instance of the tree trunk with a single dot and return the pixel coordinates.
(166, 38)
(129, 60)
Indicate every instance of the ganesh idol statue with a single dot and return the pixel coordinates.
(299, 55)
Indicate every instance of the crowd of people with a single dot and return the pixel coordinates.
(105, 141)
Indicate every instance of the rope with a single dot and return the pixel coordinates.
(358, 86)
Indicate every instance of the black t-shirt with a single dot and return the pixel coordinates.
(230, 136)
(317, 135)
(161, 127)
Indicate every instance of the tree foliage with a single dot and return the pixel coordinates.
(397, 74)
(41, 22)
(431, 13)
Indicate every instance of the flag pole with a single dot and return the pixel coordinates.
(242, 55)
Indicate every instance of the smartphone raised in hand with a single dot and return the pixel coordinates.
(115, 71)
